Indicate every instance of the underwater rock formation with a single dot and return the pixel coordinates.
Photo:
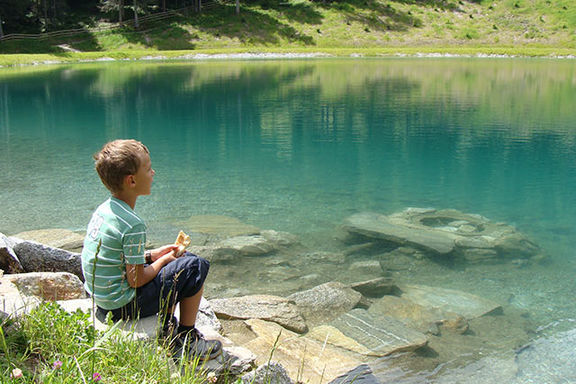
(464, 236)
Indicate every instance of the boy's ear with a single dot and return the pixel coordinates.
(129, 181)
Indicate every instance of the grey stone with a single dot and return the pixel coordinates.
(270, 308)
(36, 257)
(9, 262)
(382, 335)
(206, 316)
(376, 287)
(326, 302)
(55, 237)
(49, 285)
(362, 374)
(270, 373)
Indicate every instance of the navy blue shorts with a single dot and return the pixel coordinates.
(183, 277)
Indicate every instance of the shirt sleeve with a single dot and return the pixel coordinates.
(134, 244)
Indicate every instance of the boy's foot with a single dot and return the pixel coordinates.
(192, 345)
(170, 329)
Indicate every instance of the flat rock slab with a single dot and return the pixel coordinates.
(218, 225)
(326, 302)
(448, 300)
(382, 335)
(306, 360)
(265, 307)
(382, 227)
(55, 237)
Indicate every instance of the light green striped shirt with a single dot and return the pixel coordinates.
(121, 236)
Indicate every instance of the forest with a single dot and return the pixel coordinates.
(37, 16)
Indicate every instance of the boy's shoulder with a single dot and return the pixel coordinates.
(114, 209)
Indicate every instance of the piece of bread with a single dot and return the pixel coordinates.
(183, 240)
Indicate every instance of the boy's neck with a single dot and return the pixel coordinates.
(128, 198)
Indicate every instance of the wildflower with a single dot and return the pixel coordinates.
(16, 373)
(96, 377)
(212, 377)
(57, 364)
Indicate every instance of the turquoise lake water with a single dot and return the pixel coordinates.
(299, 145)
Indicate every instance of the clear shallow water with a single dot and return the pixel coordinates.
(300, 145)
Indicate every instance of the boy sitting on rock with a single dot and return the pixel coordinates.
(125, 279)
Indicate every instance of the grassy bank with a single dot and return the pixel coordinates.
(78, 57)
(532, 28)
(50, 345)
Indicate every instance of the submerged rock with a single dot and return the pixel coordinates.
(466, 236)
(422, 318)
(224, 226)
(448, 300)
(245, 246)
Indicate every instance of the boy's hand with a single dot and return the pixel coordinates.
(157, 253)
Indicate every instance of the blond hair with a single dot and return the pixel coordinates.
(118, 159)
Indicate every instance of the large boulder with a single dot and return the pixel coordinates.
(326, 302)
(55, 237)
(9, 262)
(266, 307)
(466, 236)
(36, 257)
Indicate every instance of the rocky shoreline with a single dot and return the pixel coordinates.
(323, 323)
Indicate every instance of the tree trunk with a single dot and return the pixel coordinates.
(136, 23)
(121, 12)
(1, 30)
(164, 5)
(237, 7)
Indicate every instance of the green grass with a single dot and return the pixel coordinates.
(50, 345)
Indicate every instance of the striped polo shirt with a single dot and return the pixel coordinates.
(116, 236)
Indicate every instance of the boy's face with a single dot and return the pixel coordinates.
(144, 176)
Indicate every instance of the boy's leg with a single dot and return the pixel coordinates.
(189, 309)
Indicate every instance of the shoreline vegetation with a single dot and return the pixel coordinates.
(10, 60)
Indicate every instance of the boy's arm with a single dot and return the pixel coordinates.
(138, 274)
